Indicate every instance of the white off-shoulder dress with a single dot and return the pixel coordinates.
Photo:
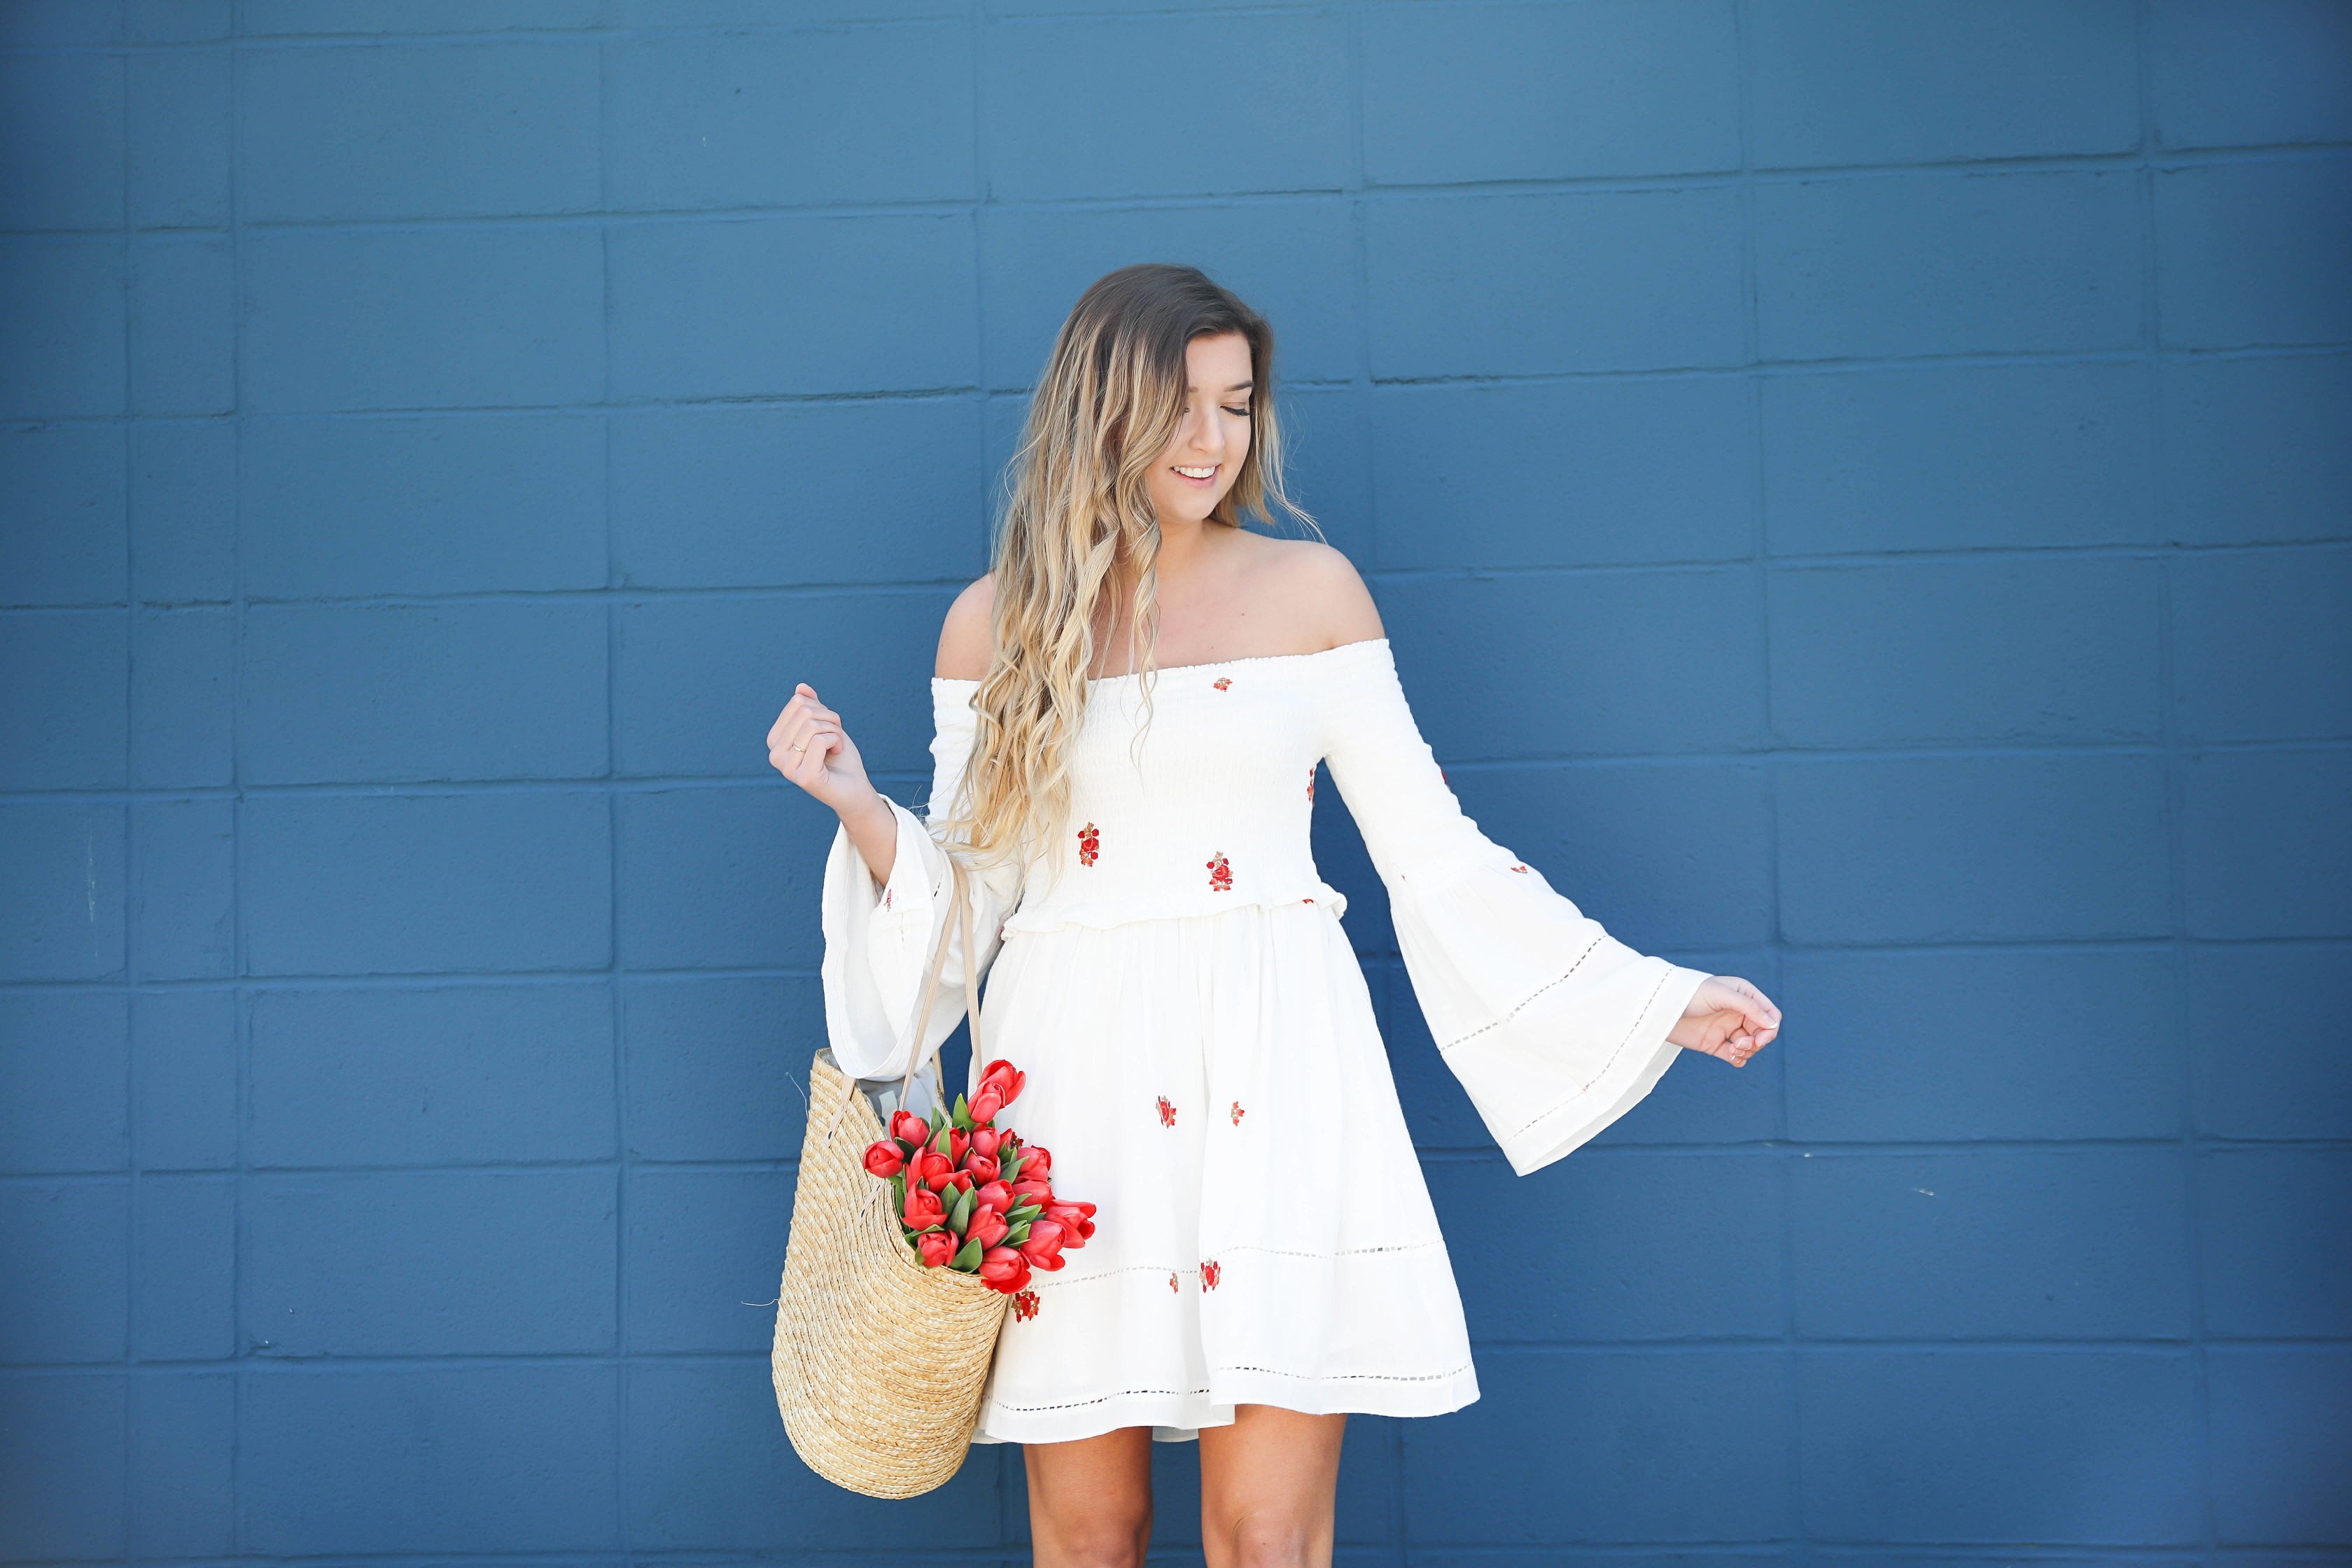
(1202, 1053)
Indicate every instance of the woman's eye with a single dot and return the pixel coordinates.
(1241, 413)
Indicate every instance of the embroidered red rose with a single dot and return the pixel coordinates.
(1221, 875)
(1209, 1272)
(1089, 843)
(1519, 868)
(1172, 1279)
(1238, 1113)
(1222, 683)
(1310, 783)
(1167, 1113)
(1025, 1305)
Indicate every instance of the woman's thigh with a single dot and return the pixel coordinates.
(1267, 1487)
(1090, 1500)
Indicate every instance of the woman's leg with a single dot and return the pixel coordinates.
(1266, 1489)
(1090, 1500)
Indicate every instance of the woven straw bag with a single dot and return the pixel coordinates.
(879, 1361)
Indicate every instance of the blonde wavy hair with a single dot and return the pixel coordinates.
(1075, 537)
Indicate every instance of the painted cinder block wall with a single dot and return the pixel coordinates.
(1860, 493)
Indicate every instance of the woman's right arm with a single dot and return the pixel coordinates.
(883, 906)
(808, 745)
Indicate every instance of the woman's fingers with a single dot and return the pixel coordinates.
(791, 742)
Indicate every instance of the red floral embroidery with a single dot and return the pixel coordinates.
(1518, 867)
(1209, 1272)
(1025, 1305)
(1221, 876)
(1310, 782)
(1238, 1113)
(1172, 1279)
(1167, 1113)
(1089, 843)
(1220, 683)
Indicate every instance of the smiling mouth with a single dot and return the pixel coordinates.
(1197, 475)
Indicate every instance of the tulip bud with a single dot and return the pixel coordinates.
(936, 1248)
(923, 1209)
(987, 1228)
(986, 1105)
(1036, 1160)
(930, 1168)
(910, 1129)
(1044, 1246)
(986, 1140)
(995, 1195)
(1003, 1269)
(984, 1169)
(884, 1158)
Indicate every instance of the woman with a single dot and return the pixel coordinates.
(1129, 711)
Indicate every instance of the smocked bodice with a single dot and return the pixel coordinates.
(1196, 802)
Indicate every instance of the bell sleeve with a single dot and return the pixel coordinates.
(880, 938)
(1554, 1027)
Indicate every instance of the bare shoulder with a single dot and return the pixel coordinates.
(967, 636)
(1325, 590)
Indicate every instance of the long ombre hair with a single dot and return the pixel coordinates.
(1076, 526)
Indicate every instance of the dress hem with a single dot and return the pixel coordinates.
(1179, 1417)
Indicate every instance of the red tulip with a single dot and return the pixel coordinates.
(988, 1227)
(1036, 1160)
(923, 1209)
(994, 1195)
(986, 1104)
(1003, 1269)
(986, 1140)
(984, 1169)
(959, 1144)
(961, 1182)
(1028, 1187)
(884, 1158)
(1043, 1247)
(937, 1247)
(1076, 1220)
(910, 1129)
(1004, 1079)
(930, 1169)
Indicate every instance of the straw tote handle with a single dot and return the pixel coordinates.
(931, 986)
(930, 993)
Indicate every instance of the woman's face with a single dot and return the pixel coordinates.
(1198, 467)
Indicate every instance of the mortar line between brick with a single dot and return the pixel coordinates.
(2175, 781)
(614, 990)
(1751, 347)
(133, 1193)
(240, 1025)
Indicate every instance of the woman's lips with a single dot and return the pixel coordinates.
(1205, 478)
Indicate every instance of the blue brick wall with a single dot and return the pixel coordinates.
(1862, 495)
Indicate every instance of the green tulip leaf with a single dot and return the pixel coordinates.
(967, 1257)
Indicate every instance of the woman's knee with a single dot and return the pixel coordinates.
(1270, 1540)
(1112, 1534)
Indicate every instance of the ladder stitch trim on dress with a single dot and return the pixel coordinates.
(1343, 1252)
(1354, 1376)
(1556, 980)
(1080, 1403)
(1112, 1274)
(1604, 1072)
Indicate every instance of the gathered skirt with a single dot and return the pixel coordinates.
(1217, 1086)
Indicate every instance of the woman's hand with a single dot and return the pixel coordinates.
(1726, 1017)
(808, 746)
